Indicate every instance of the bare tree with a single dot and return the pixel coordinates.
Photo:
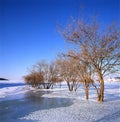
(85, 74)
(100, 48)
(43, 67)
(54, 75)
(83, 71)
(34, 78)
(68, 71)
(43, 74)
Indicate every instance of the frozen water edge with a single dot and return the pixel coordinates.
(82, 110)
(9, 91)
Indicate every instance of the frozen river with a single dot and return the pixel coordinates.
(3, 85)
(14, 107)
(25, 104)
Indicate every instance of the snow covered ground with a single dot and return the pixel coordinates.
(10, 91)
(80, 111)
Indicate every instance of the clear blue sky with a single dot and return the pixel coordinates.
(28, 29)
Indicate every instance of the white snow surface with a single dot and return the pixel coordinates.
(10, 91)
(81, 110)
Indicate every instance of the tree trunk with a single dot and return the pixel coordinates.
(70, 87)
(87, 89)
(101, 93)
(87, 92)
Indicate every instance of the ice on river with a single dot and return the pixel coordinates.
(82, 110)
(79, 111)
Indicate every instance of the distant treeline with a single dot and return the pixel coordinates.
(3, 79)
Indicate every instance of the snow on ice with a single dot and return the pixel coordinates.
(81, 110)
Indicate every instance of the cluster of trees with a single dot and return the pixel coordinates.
(43, 75)
(64, 68)
(94, 54)
(97, 49)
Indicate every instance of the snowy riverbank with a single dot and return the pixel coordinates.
(79, 110)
